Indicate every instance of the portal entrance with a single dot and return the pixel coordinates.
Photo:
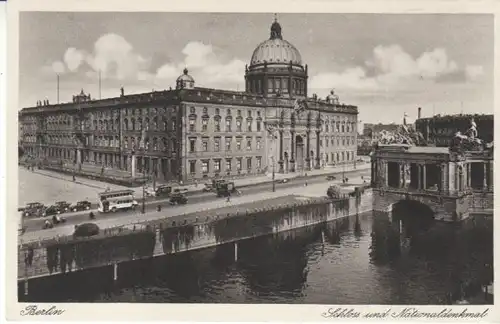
(299, 149)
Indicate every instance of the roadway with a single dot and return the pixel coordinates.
(35, 224)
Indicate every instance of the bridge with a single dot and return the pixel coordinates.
(452, 184)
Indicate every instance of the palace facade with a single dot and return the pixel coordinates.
(192, 132)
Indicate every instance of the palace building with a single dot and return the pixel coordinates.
(191, 132)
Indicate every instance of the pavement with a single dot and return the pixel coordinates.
(313, 190)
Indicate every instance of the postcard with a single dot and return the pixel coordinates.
(250, 161)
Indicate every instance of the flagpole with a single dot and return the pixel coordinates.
(99, 84)
(57, 87)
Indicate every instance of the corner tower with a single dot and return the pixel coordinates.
(276, 68)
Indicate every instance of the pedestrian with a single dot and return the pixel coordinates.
(228, 199)
(158, 208)
(196, 183)
(74, 178)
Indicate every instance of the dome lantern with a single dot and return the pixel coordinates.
(276, 29)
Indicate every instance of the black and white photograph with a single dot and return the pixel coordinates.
(272, 157)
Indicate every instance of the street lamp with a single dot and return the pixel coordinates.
(143, 209)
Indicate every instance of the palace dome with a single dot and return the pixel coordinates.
(276, 50)
(185, 81)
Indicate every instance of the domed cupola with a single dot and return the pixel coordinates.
(276, 67)
(185, 81)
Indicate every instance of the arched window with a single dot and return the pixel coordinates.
(125, 142)
(165, 144)
(155, 123)
(132, 123)
(155, 144)
(125, 124)
(139, 123)
(146, 123)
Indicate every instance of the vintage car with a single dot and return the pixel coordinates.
(51, 210)
(81, 205)
(178, 198)
(63, 206)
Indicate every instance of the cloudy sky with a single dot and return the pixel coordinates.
(385, 64)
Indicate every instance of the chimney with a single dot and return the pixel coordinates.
(419, 113)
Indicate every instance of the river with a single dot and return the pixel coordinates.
(361, 260)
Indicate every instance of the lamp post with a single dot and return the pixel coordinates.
(143, 209)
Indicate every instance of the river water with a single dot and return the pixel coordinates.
(365, 259)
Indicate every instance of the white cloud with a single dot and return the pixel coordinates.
(73, 58)
(206, 67)
(58, 67)
(392, 68)
(473, 72)
(116, 58)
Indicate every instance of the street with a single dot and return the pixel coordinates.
(316, 187)
(34, 224)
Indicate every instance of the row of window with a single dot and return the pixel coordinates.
(228, 123)
(192, 111)
(215, 165)
(346, 140)
(281, 85)
(227, 144)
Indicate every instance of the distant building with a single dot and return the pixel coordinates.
(439, 130)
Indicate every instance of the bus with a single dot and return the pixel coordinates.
(112, 201)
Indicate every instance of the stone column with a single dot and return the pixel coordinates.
(469, 175)
(280, 162)
(491, 180)
(419, 177)
(308, 158)
(442, 185)
(317, 150)
(292, 160)
(132, 165)
(78, 156)
(424, 176)
(386, 174)
(485, 176)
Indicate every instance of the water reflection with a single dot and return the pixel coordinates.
(365, 259)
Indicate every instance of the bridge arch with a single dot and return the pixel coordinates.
(415, 215)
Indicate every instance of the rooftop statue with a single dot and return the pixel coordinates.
(469, 141)
(405, 134)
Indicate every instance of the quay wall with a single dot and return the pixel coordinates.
(147, 240)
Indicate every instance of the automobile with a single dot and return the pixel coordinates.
(163, 190)
(331, 177)
(51, 210)
(81, 205)
(225, 189)
(178, 198)
(33, 209)
(86, 230)
(282, 181)
(63, 206)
